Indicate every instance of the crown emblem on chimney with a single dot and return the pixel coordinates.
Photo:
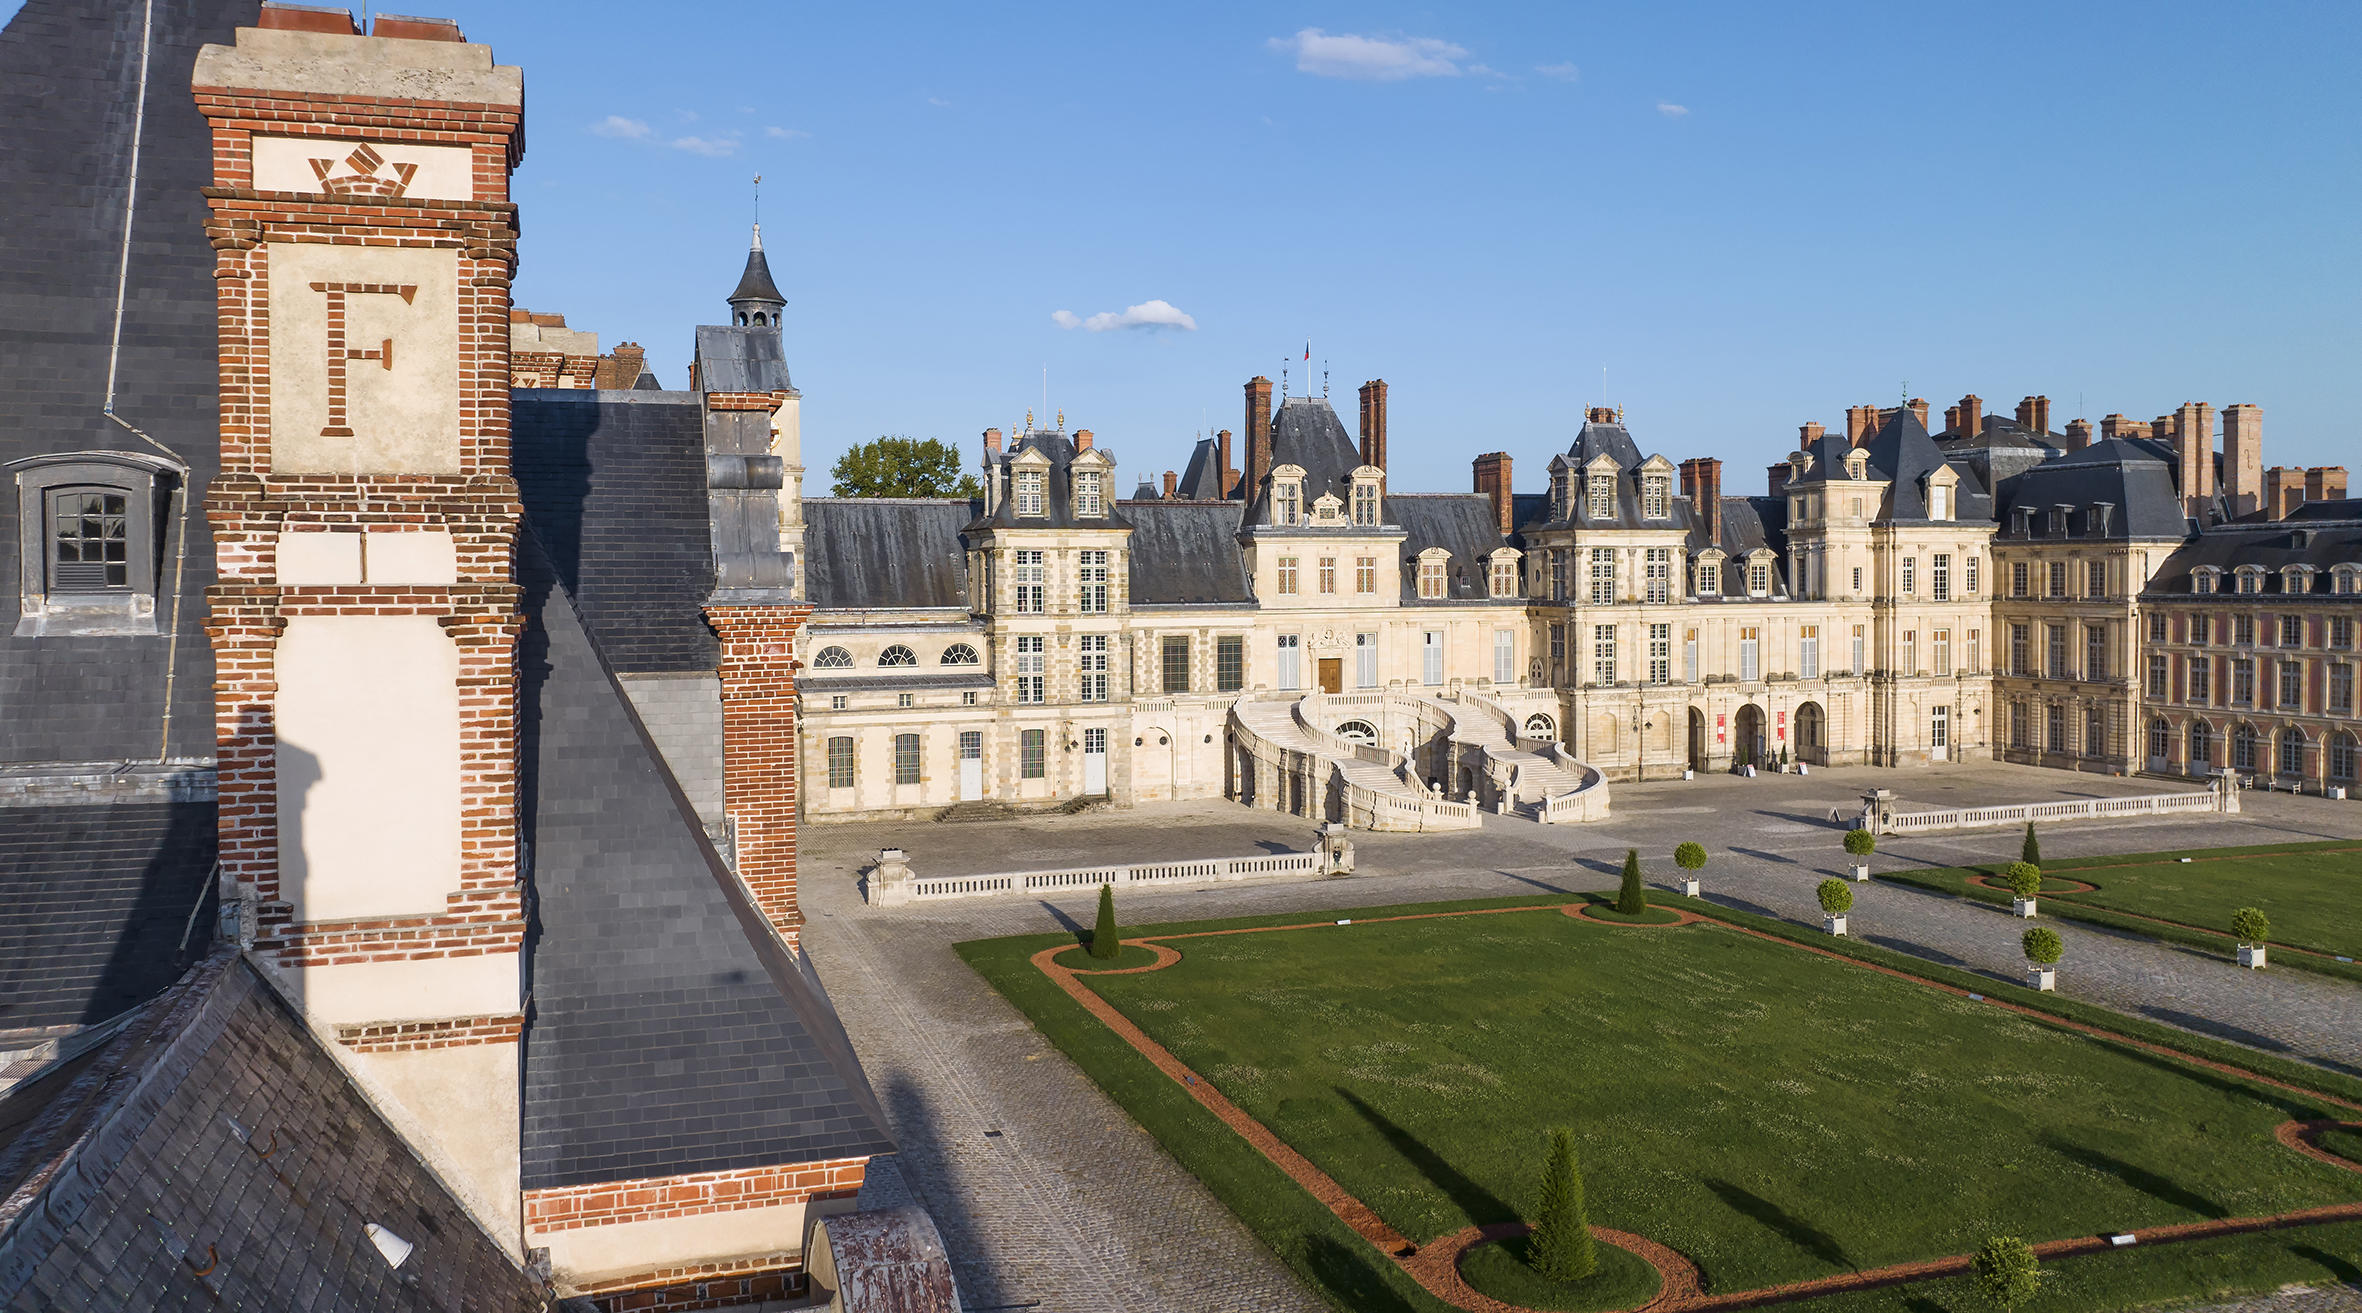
(365, 178)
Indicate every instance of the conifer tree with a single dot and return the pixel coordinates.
(2031, 852)
(1632, 900)
(1562, 1248)
(1104, 942)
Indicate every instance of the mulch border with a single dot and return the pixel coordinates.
(1436, 1265)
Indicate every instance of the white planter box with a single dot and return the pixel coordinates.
(2337, 791)
(1689, 888)
(2251, 956)
(1833, 924)
(1689, 775)
(2044, 979)
(1747, 772)
(2023, 906)
(1802, 769)
(1861, 872)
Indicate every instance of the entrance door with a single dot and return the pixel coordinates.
(1697, 739)
(1939, 734)
(1094, 763)
(971, 765)
(1332, 674)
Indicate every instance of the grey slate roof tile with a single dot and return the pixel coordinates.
(1185, 553)
(99, 900)
(886, 552)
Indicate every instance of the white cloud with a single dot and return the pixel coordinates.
(711, 147)
(785, 134)
(1371, 58)
(939, 102)
(621, 128)
(1671, 110)
(1148, 314)
(1559, 72)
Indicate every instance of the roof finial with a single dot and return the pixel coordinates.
(758, 212)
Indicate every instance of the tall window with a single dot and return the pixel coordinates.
(1910, 574)
(1365, 575)
(2160, 739)
(1689, 655)
(90, 542)
(1602, 497)
(1431, 656)
(2056, 665)
(1365, 660)
(1969, 581)
(2157, 676)
(840, 762)
(2095, 730)
(1558, 669)
(1029, 581)
(1230, 663)
(2243, 629)
(1660, 654)
(2242, 681)
(1431, 578)
(1750, 653)
(2292, 630)
(2202, 581)
(1939, 503)
(2201, 681)
(1603, 654)
(1029, 492)
(1033, 757)
(1504, 657)
(2095, 578)
(1653, 497)
(2292, 751)
(2341, 633)
(2201, 745)
(2017, 578)
(1759, 579)
(1910, 651)
(2202, 628)
(2058, 579)
(2095, 651)
(1328, 575)
(1287, 503)
(2244, 745)
(1504, 577)
(1092, 594)
(1808, 652)
(1972, 659)
(2056, 731)
(1093, 669)
(1287, 576)
(1175, 663)
(906, 759)
(1857, 581)
(1031, 662)
(2342, 753)
(2341, 688)
(2019, 658)
(1558, 558)
(1943, 651)
(1291, 664)
(1861, 664)
(1365, 503)
(1089, 504)
(1603, 575)
(1659, 564)
(1939, 577)
(2156, 626)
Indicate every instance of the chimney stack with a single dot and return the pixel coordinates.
(1373, 423)
(1918, 407)
(1082, 439)
(1492, 479)
(1258, 436)
(1775, 477)
(2325, 483)
(1860, 423)
(992, 442)
(1172, 484)
(620, 369)
(2193, 439)
(1225, 475)
(1808, 434)
(1701, 486)
(992, 473)
(2284, 491)
(1972, 415)
(2116, 426)
(2078, 434)
(2243, 457)
(2042, 416)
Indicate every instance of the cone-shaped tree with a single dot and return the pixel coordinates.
(1632, 900)
(1562, 1247)
(2031, 851)
(1104, 942)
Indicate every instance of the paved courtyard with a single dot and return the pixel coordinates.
(1052, 1199)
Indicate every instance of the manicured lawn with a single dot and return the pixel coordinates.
(1771, 1114)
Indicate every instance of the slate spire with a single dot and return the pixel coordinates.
(756, 303)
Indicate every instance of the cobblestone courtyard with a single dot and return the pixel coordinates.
(1052, 1199)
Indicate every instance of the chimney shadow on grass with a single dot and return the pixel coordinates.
(1481, 1205)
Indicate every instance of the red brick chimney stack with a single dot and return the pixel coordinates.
(1701, 485)
(1918, 407)
(1775, 477)
(1860, 422)
(1082, 439)
(1172, 484)
(1972, 415)
(1226, 474)
(1808, 434)
(1258, 436)
(2042, 415)
(2078, 434)
(2325, 483)
(2284, 491)
(2193, 437)
(1492, 479)
(1373, 423)
(2243, 457)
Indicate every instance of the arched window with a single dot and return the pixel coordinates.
(759, 321)
(2245, 748)
(2292, 751)
(1358, 731)
(1539, 726)
(2343, 750)
(2201, 745)
(897, 655)
(833, 658)
(2160, 740)
(960, 654)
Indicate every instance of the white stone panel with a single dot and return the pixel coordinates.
(319, 558)
(442, 173)
(587, 1255)
(368, 765)
(428, 989)
(397, 351)
(413, 556)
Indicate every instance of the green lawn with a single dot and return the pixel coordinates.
(1771, 1114)
(2311, 892)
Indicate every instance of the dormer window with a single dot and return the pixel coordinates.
(1505, 574)
(1434, 585)
(1857, 465)
(2345, 580)
(2251, 579)
(1655, 497)
(87, 545)
(1562, 490)
(1709, 580)
(1939, 502)
(1328, 510)
(1365, 502)
(1601, 497)
(1089, 499)
(1029, 492)
(2202, 579)
(1759, 578)
(2296, 579)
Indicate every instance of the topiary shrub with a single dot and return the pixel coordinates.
(1562, 1248)
(2007, 1273)
(1837, 897)
(2042, 946)
(2031, 850)
(1690, 856)
(2250, 926)
(1632, 899)
(1104, 941)
(2023, 878)
(1861, 843)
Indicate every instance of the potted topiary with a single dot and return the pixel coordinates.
(1861, 843)
(1690, 857)
(2025, 880)
(1837, 898)
(2251, 927)
(2042, 947)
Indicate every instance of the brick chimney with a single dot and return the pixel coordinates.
(2042, 415)
(306, 18)
(1860, 422)
(2325, 483)
(1258, 436)
(1775, 477)
(1701, 486)
(992, 442)
(2078, 434)
(1492, 479)
(1971, 415)
(1808, 434)
(2243, 457)
(2284, 490)
(620, 369)
(1918, 406)
(1172, 484)
(992, 473)
(2193, 443)
(2116, 426)
(1225, 474)
(1373, 423)
(1082, 439)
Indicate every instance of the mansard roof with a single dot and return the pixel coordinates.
(1903, 453)
(1060, 453)
(1187, 554)
(886, 553)
(1609, 438)
(1306, 433)
(2132, 479)
(1461, 523)
(2271, 545)
(733, 359)
(1202, 479)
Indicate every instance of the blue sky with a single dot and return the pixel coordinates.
(1751, 215)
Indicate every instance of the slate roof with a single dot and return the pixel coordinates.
(1611, 439)
(671, 1031)
(2132, 479)
(135, 1169)
(69, 73)
(731, 359)
(1461, 523)
(1057, 491)
(885, 553)
(1903, 453)
(2319, 542)
(755, 283)
(1306, 432)
(106, 905)
(1201, 480)
(1750, 524)
(2349, 508)
(614, 485)
(1186, 553)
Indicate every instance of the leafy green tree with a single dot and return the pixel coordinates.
(1562, 1247)
(2007, 1273)
(2031, 850)
(1690, 856)
(1104, 941)
(1836, 897)
(2251, 926)
(2042, 946)
(896, 466)
(1861, 843)
(2023, 878)
(1632, 899)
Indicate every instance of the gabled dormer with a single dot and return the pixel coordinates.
(1941, 487)
(1599, 490)
(1286, 502)
(1368, 508)
(1029, 484)
(1656, 490)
